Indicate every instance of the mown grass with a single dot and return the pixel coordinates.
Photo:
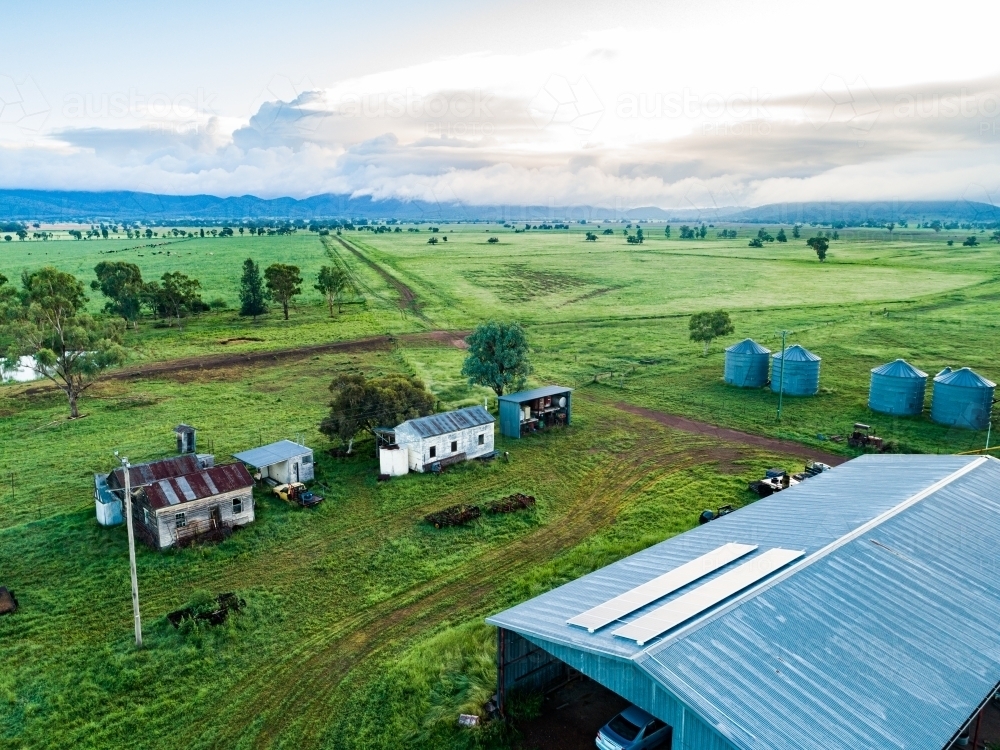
(364, 627)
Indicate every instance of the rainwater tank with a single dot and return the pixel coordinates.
(801, 371)
(746, 364)
(897, 388)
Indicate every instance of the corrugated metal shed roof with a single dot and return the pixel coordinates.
(797, 353)
(546, 390)
(899, 369)
(883, 636)
(155, 470)
(964, 378)
(207, 483)
(275, 453)
(449, 421)
(747, 346)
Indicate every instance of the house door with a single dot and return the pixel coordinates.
(296, 465)
(216, 518)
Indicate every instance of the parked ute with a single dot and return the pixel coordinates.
(634, 729)
(296, 492)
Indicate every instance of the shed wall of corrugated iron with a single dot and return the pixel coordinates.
(746, 370)
(890, 394)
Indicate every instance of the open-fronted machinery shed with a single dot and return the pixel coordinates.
(857, 610)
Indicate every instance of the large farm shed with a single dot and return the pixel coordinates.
(528, 411)
(858, 609)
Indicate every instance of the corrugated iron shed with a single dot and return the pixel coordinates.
(184, 489)
(275, 453)
(884, 635)
(449, 421)
(544, 391)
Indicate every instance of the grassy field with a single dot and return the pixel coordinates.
(364, 625)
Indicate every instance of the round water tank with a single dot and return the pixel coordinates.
(562, 402)
(801, 371)
(897, 388)
(746, 364)
(962, 398)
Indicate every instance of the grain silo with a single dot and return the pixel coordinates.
(962, 399)
(746, 364)
(897, 388)
(801, 371)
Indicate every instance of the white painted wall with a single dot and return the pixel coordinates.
(393, 462)
(284, 472)
(467, 441)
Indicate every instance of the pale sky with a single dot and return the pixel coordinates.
(621, 104)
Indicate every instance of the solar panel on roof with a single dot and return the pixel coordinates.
(683, 608)
(649, 592)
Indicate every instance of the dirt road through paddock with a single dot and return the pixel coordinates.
(725, 434)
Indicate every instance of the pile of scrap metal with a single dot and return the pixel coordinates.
(707, 515)
(776, 480)
(455, 515)
(216, 615)
(511, 503)
(8, 602)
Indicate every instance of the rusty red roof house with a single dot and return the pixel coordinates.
(176, 501)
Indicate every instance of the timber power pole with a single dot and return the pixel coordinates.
(131, 551)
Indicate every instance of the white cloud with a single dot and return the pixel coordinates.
(612, 119)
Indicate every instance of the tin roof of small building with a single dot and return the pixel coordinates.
(449, 421)
(545, 390)
(274, 453)
(206, 483)
(152, 471)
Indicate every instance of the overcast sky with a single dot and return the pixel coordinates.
(620, 104)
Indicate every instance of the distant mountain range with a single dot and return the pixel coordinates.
(152, 208)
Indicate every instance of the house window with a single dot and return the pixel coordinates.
(145, 517)
(482, 439)
(180, 521)
(237, 505)
(307, 459)
(454, 446)
(433, 451)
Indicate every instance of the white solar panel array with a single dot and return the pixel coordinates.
(684, 607)
(647, 593)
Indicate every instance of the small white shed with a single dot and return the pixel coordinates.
(446, 438)
(283, 462)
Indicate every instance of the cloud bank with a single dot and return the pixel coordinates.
(600, 121)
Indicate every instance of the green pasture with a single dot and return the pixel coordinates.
(364, 627)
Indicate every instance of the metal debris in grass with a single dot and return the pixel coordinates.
(214, 613)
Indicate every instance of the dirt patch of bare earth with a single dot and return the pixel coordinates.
(725, 434)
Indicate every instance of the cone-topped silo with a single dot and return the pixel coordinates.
(746, 364)
(801, 371)
(962, 398)
(897, 388)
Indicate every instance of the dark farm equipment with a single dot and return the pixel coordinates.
(864, 437)
(707, 515)
(456, 515)
(511, 503)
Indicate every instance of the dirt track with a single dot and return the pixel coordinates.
(725, 434)
(407, 297)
